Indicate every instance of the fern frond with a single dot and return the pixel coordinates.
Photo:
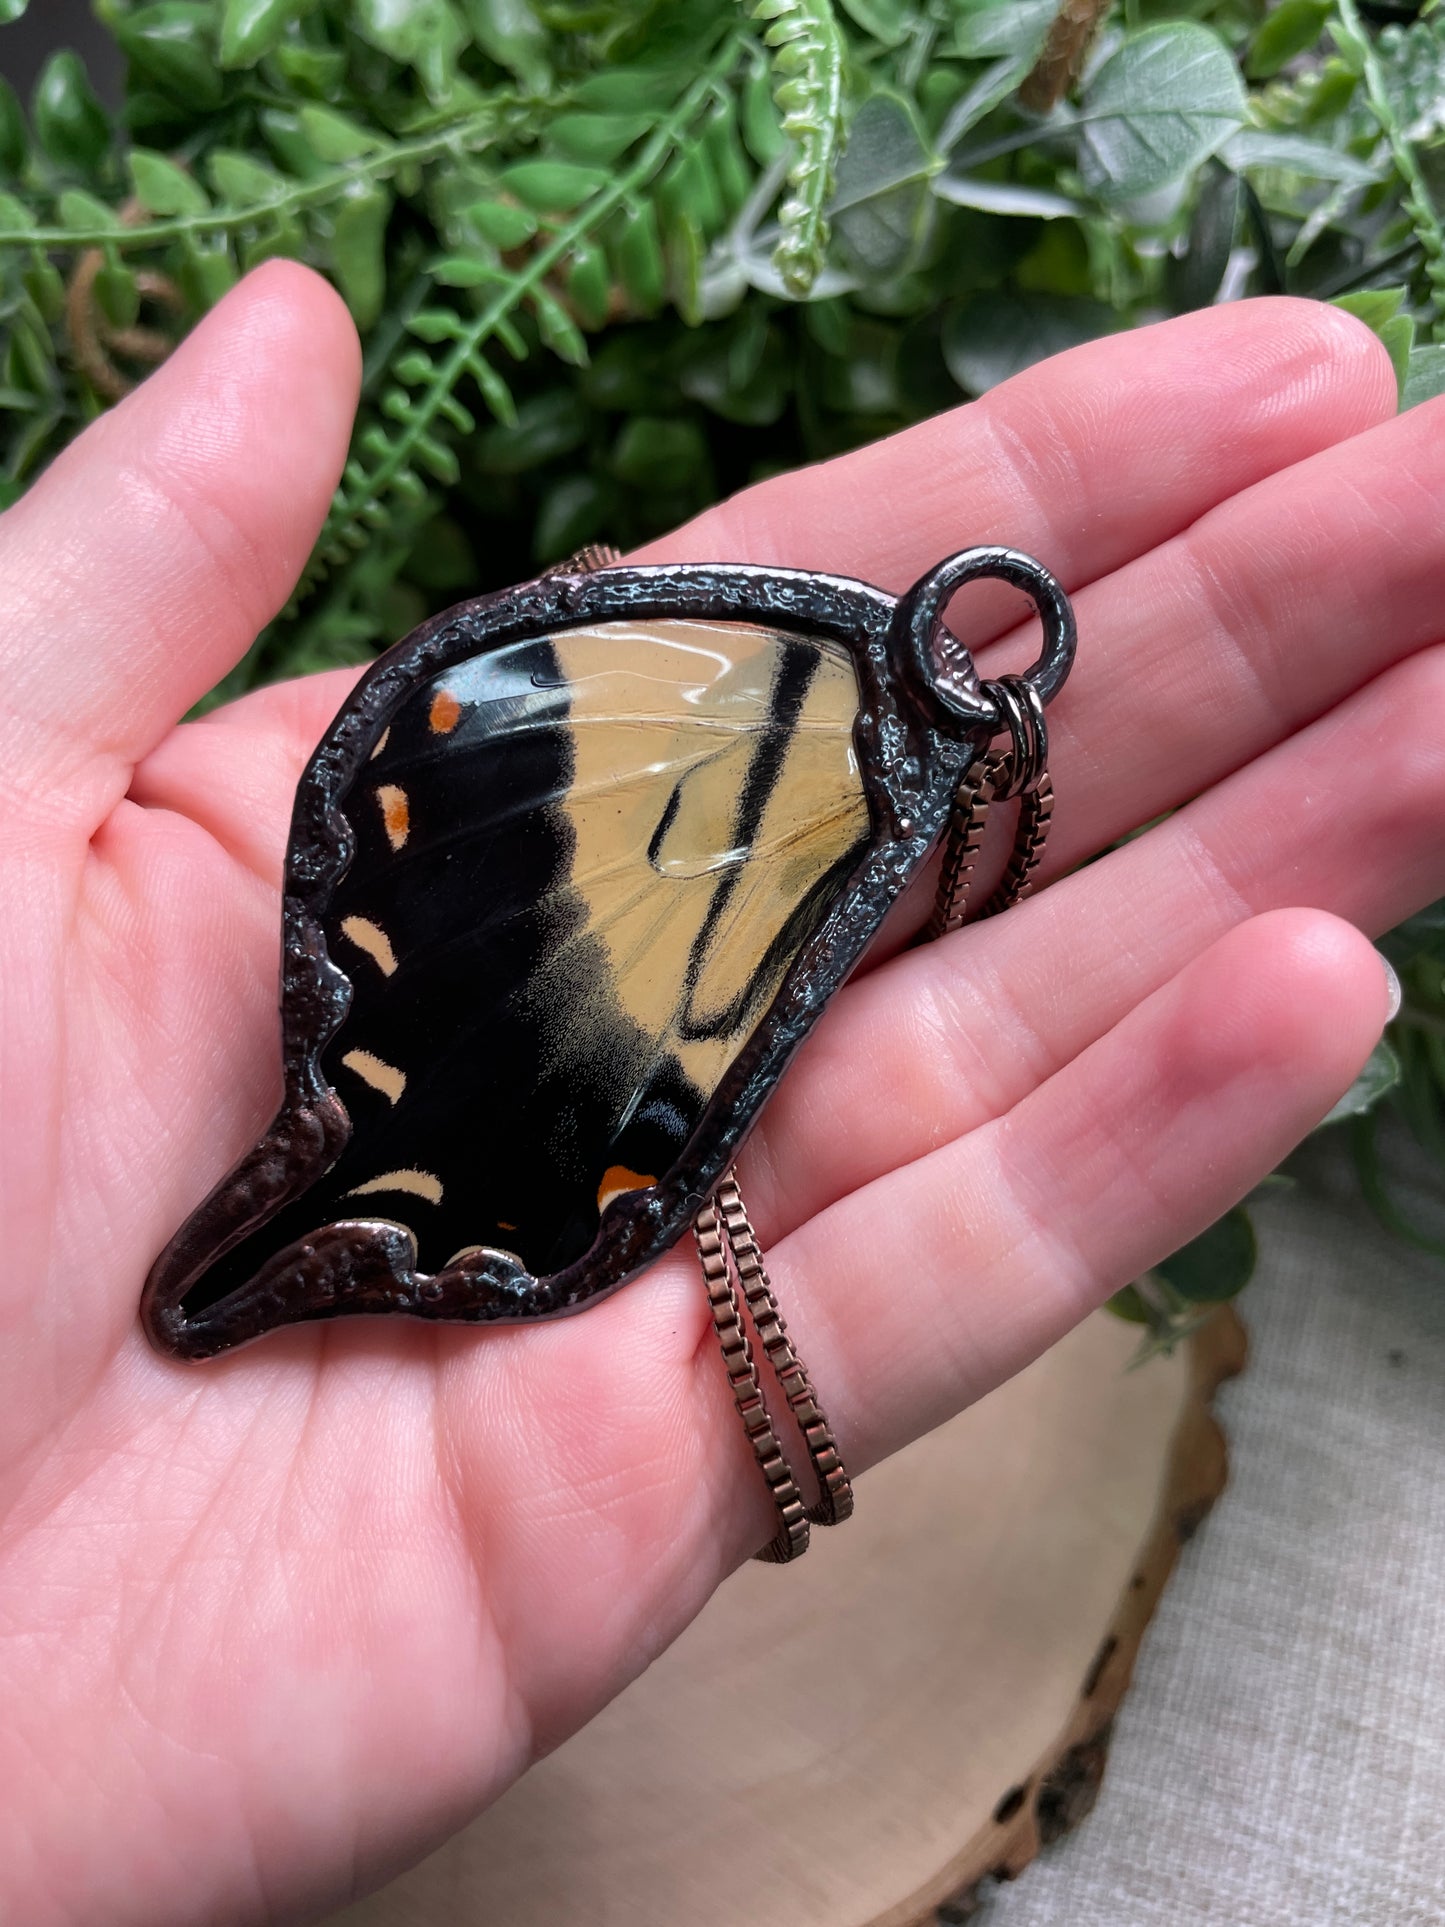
(421, 405)
(807, 67)
(252, 193)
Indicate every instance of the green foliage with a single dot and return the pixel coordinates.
(1178, 1295)
(612, 258)
(808, 61)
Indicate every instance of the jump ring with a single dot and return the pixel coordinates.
(1022, 711)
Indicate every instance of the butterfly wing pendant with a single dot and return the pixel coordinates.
(570, 877)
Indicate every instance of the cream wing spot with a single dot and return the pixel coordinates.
(371, 938)
(420, 1184)
(381, 742)
(373, 1070)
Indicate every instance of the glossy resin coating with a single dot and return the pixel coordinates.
(569, 878)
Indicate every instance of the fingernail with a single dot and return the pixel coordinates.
(1396, 990)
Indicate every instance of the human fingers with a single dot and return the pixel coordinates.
(1089, 459)
(1086, 460)
(1257, 619)
(917, 1293)
(142, 564)
(1344, 817)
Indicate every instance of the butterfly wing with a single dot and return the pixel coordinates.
(582, 866)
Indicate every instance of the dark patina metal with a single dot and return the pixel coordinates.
(923, 718)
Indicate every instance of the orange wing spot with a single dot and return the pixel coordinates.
(617, 1181)
(445, 713)
(395, 813)
(502, 1225)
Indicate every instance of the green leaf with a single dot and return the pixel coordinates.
(547, 427)
(1193, 280)
(162, 187)
(1425, 374)
(557, 328)
(881, 199)
(1129, 1304)
(553, 187)
(762, 129)
(116, 295)
(241, 181)
(82, 212)
(639, 257)
(992, 337)
(334, 137)
(690, 188)
(502, 224)
(658, 454)
(1157, 107)
(14, 136)
(1004, 197)
(427, 35)
(1398, 337)
(45, 285)
(745, 375)
(438, 459)
(315, 71)
(1379, 1075)
(207, 270)
(889, 22)
(589, 285)
(282, 237)
(1288, 29)
(1216, 1265)
(1380, 310)
(11, 11)
(572, 513)
(1255, 147)
(631, 90)
(172, 44)
(251, 28)
(596, 137)
(1373, 306)
(434, 325)
(993, 85)
(728, 159)
(509, 32)
(985, 28)
(70, 123)
(466, 271)
(1411, 61)
(358, 251)
(684, 253)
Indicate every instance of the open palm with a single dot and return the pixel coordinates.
(271, 1626)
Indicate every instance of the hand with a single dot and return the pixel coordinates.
(272, 1626)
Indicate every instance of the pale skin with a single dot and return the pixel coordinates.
(270, 1627)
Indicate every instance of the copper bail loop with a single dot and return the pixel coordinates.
(1022, 710)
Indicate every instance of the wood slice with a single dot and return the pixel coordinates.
(918, 1705)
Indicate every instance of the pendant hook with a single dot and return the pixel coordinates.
(921, 615)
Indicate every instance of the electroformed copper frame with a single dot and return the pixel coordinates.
(923, 718)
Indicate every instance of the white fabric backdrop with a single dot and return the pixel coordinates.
(1281, 1759)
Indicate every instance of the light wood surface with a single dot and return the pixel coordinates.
(922, 1701)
